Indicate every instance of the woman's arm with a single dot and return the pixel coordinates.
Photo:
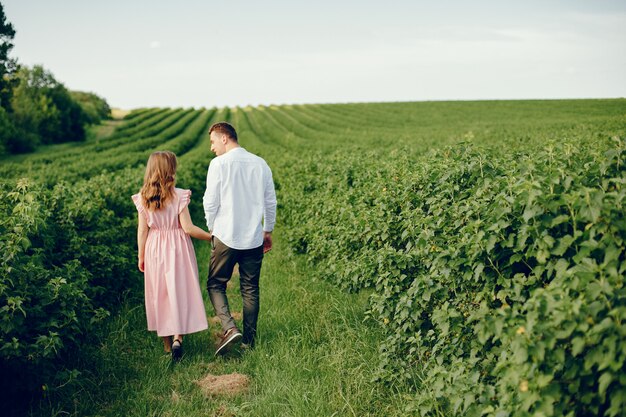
(142, 236)
(190, 228)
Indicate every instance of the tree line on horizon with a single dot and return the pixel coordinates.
(35, 108)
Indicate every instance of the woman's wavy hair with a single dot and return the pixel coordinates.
(159, 180)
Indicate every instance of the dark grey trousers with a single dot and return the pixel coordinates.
(223, 260)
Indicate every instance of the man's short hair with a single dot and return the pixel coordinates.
(224, 128)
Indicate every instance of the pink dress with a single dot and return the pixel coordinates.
(173, 299)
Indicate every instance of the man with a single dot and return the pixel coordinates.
(240, 210)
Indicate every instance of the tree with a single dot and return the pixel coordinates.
(7, 65)
(7, 132)
(37, 109)
(95, 107)
(43, 106)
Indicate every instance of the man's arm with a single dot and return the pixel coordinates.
(211, 199)
(269, 212)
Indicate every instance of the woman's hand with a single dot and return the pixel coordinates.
(140, 264)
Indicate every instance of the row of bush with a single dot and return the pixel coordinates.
(68, 259)
(497, 272)
(69, 252)
(111, 154)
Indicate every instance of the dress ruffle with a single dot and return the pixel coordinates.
(184, 197)
(140, 208)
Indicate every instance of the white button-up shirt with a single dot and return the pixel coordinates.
(240, 200)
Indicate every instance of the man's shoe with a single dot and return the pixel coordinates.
(230, 338)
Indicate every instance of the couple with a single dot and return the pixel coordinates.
(240, 209)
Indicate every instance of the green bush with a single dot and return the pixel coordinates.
(70, 247)
(68, 259)
(498, 273)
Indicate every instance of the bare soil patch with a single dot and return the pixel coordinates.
(224, 385)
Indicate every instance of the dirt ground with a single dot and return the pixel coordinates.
(224, 385)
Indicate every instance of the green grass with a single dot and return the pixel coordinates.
(315, 356)
(103, 130)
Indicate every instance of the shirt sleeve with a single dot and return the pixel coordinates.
(269, 206)
(211, 199)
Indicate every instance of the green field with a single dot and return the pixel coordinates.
(431, 259)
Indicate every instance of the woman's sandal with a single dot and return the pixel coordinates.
(177, 350)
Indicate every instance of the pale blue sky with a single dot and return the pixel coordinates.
(206, 53)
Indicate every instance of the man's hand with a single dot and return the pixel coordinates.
(140, 264)
(267, 242)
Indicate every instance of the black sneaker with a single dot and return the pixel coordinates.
(177, 350)
(230, 338)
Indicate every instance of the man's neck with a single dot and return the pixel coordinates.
(231, 145)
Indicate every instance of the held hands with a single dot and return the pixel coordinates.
(267, 242)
